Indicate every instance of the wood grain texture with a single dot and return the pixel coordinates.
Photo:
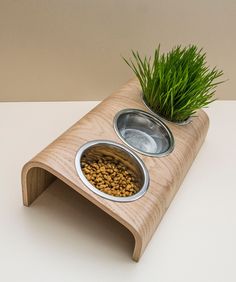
(143, 216)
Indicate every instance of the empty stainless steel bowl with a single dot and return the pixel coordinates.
(144, 132)
(94, 150)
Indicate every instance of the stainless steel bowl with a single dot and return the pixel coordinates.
(144, 132)
(94, 150)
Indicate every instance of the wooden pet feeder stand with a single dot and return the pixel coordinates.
(142, 216)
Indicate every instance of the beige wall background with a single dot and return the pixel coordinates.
(71, 49)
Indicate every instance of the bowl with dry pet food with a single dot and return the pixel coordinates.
(112, 171)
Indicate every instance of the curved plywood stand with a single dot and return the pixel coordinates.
(142, 216)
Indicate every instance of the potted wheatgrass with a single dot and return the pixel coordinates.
(175, 85)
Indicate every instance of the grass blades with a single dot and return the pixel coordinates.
(175, 85)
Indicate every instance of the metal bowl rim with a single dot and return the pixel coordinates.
(84, 180)
(153, 117)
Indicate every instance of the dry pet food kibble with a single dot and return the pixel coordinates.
(110, 176)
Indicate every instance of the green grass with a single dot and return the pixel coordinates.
(175, 85)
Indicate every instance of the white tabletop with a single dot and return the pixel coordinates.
(62, 237)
